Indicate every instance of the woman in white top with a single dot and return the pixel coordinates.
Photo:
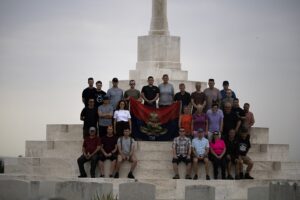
(122, 118)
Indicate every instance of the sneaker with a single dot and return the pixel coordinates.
(207, 177)
(82, 176)
(188, 177)
(130, 175)
(101, 175)
(111, 176)
(195, 177)
(247, 176)
(176, 176)
(237, 177)
(229, 177)
(241, 175)
(116, 175)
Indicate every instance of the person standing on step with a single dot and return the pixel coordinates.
(109, 151)
(200, 147)
(243, 147)
(126, 149)
(115, 94)
(99, 95)
(105, 112)
(212, 94)
(215, 119)
(150, 93)
(182, 150)
(132, 92)
(198, 98)
(217, 155)
(183, 96)
(122, 118)
(88, 92)
(249, 117)
(225, 89)
(230, 121)
(232, 155)
(89, 116)
(166, 92)
(200, 120)
(90, 148)
(186, 122)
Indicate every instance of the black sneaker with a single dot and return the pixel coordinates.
(195, 177)
(229, 177)
(82, 176)
(176, 176)
(247, 176)
(101, 175)
(237, 177)
(241, 175)
(130, 175)
(188, 177)
(207, 177)
(116, 175)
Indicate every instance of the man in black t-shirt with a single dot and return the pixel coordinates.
(89, 116)
(243, 149)
(230, 120)
(238, 110)
(183, 96)
(150, 93)
(99, 95)
(88, 92)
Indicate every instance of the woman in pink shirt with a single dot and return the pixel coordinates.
(217, 154)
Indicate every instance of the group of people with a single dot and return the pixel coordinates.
(212, 126)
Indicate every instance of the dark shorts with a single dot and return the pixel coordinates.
(111, 158)
(181, 159)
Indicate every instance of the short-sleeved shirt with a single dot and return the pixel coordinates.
(214, 120)
(115, 95)
(229, 122)
(212, 95)
(88, 93)
(132, 93)
(223, 94)
(231, 147)
(109, 143)
(243, 146)
(200, 145)
(90, 144)
(90, 117)
(239, 112)
(186, 123)
(218, 147)
(249, 121)
(99, 95)
(166, 94)
(181, 145)
(198, 97)
(184, 98)
(122, 115)
(127, 144)
(150, 93)
(199, 121)
(105, 109)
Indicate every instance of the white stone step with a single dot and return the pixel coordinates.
(168, 189)
(146, 169)
(74, 132)
(145, 150)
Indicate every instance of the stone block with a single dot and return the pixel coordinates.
(82, 190)
(14, 190)
(136, 191)
(201, 192)
(258, 193)
(284, 190)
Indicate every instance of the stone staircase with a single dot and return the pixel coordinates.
(56, 159)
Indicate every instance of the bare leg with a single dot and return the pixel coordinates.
(195, 165)
(134, 163)
(206, 166)
(101, 167)
(112, 167)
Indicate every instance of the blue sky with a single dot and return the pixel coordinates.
(49, 48)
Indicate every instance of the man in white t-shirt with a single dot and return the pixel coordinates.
(200, 147)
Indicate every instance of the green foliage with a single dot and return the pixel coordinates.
(104, 197)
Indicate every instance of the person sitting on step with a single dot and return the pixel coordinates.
(232, 155)
(90, 148)
(243, 147)
(200, 151)
(126, 149)
(182, 153)
(109, 151)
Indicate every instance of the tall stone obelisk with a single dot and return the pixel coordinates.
(159, 53)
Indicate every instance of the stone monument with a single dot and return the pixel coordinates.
(159, 53)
